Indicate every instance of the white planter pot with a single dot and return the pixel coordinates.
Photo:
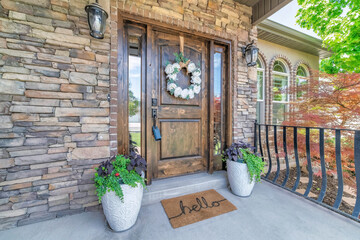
(239, 178)
(122, 215)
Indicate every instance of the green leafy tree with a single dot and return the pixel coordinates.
(133, 104)
(337, 22)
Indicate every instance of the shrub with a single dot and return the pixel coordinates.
(118, 170)
(241, 152)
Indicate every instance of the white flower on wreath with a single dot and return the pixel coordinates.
(171, 86)
(191, 94)
(184, 93)
(172, 77)
(197, 73)
(191, 67)
(177, 91)
(197, 89)
(177, 66)
(196, 79)
(169, 69)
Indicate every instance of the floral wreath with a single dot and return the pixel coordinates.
(172, 70)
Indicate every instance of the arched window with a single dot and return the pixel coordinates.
(280, 91)
(260, 104)
(302, 77)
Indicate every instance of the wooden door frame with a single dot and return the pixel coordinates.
(230, 44)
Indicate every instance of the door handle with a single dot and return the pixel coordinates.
(155, 129)
(154, 113)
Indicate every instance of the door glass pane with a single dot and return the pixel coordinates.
(134, 110)
(217, 102)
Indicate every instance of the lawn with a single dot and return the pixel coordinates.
(136, 136)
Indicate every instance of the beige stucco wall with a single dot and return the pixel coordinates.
(270, 50)
(293, 58)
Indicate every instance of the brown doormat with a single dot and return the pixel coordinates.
(196, 207)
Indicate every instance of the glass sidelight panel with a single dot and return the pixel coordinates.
(218, 64)
(134, 92)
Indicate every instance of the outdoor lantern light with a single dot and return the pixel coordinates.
(97, 19)
(250, 53)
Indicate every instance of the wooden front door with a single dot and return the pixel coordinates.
(183, 123)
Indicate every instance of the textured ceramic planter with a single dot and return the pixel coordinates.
(239, 178)
(122, 215)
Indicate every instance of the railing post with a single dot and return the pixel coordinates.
(286, 158)
(323, 167)
(357, 173)
(338, 169)
(276, 155)
(308, 158)
(255, 137)
(268, 150)
(298, 171)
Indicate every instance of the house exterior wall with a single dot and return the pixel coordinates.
(56, 124)
(269, 53)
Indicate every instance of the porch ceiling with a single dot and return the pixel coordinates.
(249, 3)
(276, 33)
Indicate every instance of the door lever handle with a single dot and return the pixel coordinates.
(156, 131)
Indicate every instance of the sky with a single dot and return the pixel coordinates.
(286, 17)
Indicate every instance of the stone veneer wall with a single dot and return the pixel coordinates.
(55, 121)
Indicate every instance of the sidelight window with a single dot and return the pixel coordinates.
(134, 91)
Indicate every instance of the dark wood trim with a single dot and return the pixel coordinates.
(172, 29)
(143, 91)
(150, 74)
(121, 130)
(231, 76)
(231, 90)
(211, 109)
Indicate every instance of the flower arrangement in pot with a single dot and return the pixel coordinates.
(119, 185)
(244, 168)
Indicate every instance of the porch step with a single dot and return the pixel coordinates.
(172, 187)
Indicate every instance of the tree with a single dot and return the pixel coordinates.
(337, 23)
(331, 101)
(133, 104)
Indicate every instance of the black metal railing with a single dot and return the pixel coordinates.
(266, 138)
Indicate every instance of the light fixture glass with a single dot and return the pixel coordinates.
(97, 20)
(250, 53)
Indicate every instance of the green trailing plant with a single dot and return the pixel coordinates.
(242, 152)
(179, 57)
(119, 170)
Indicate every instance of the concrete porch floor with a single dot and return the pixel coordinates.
(269, 213)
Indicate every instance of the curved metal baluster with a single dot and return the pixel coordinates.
(286, 158)
(255, 137)
(308, 157)
(260, 145)
(298, 172)
(268, 149)
(276, 155)
(356, 210)
(323, 168)
(338, 169)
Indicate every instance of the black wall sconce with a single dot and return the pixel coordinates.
(250, 53)
(97, 19)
